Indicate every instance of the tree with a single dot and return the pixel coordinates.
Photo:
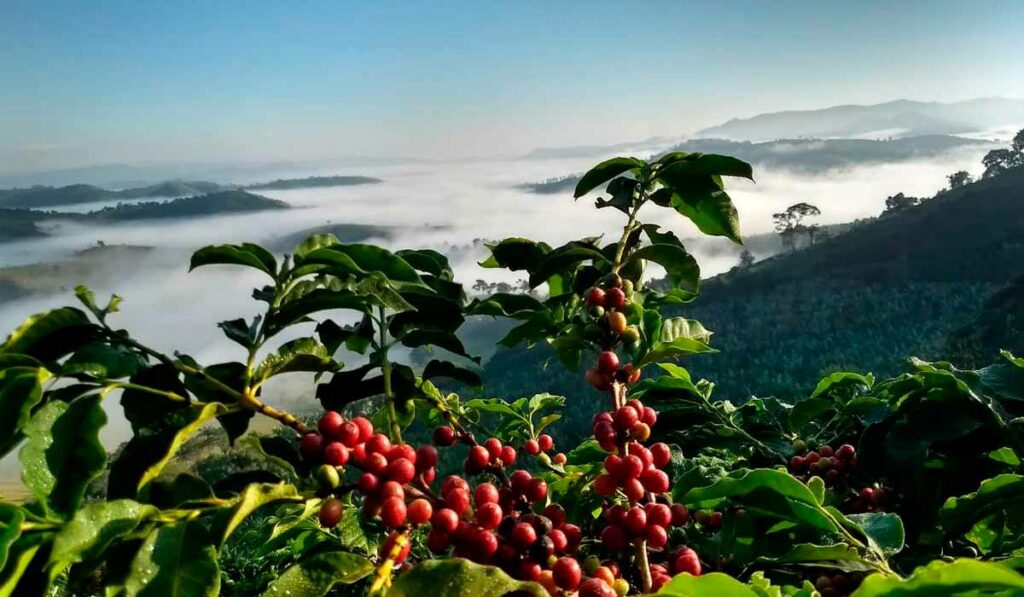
(746, 258)
(998, 161)
(789, 223)
(899, 202)
(958, 179)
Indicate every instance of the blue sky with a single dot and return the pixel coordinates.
(92, 82)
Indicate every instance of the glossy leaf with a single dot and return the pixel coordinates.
(704, 164)
(94, 528)
(51, 335)
(716, 583)
(63, 453)
(301, 354)
(959, 577)
(315, 576)
(177, 560)
(680, 266)
(1004, 492)
(21, 389)
(604, 172)
(460, 578)
(884, 530)
(245, 254)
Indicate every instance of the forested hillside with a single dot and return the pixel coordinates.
(891, 287)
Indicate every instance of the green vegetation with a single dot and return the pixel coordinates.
(184, 207)
(906, 486)
(311, 182)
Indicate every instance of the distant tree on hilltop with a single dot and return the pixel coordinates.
(899, 202)
(789, 224)
(998, 161)
(958, 179)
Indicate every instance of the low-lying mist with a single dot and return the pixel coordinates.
(441, 206)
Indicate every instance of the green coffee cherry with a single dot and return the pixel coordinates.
(597, 312)
(799, 445)
(631, 335)
(328, 476)
(627, 287)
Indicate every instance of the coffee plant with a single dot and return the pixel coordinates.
(907, 486)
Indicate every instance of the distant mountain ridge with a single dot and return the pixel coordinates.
(46, 196)
(806, 156)
(899, 118)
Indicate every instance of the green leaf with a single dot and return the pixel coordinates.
(797, 504)
(516, 254)
(301, 354)
(445, 340)
(105, 361)
(842, 379)
(460, 578)
(712, 211)
(680, 327)
(315, 576)
(360, 259)
(959, 577)
(21, 389)
(705, 164)
(716, 583)
(246, 254)
(663, 351)
(505, 305)
(437, 368)
(313, 243)
(807, 410)
(1000, 493)
(604, 172)
(1005, 455)
(178, 560)
(93, 529)
(255, 496)
(884, 530)
(63, 453)
(51, 335)
(680, 266)
(11, 518)
(429, 261)
(313, 302)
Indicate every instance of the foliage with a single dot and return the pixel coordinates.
(932, 469)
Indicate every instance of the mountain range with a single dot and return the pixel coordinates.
(899, 118)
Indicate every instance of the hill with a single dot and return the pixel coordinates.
(40, 196)
(886, 288)
(310, 182)
(174, 188)
(998, 326)
(896, 118)
(184, 207)
(804, 156)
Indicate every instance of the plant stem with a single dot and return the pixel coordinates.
(643, 564)
(385, 368)
(620, 249)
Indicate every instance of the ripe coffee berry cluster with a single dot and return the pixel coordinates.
(871, 499)
(387, 469)
(838, 583)
(633, 421)
(832, 466)
(649, 522)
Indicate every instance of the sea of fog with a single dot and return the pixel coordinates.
(442, 206)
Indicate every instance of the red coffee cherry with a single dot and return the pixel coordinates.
(419, 511)
(402, 451)
(625, 417)
(655, 481)
(661, 454)
(846, 452)
(479, 457)
(636, 521)
(605, 485)
(631, 467)
(607, 362)
(633, 489)
(532, 447)
(614, 299)
(426, 457)
(520, 481)
(595, 587)
(330, 425)
(650, 416)
(560, 458)
(614, 538)
(311, 446)
(680, 515)
(444, 436)
(493, 446)
(445, 520)
(365, 428)
(330, 513)
(336, 454)
(393, 512)
(559, 540)
(657, 536)
(348, 434)
(486, 544)
(453, 482)
(489, 515)
(686, 560)
(537, 491)
(595, 297)
(599, 380)
(485, 493)
(523, 535)
(401, 471)
(508, 455)
(367, 483)
(567, 573)
(546, 443)
(391, 489)
(556, 514)
(658, 514)
(378, 444)
(457, 500)
(375, 462)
